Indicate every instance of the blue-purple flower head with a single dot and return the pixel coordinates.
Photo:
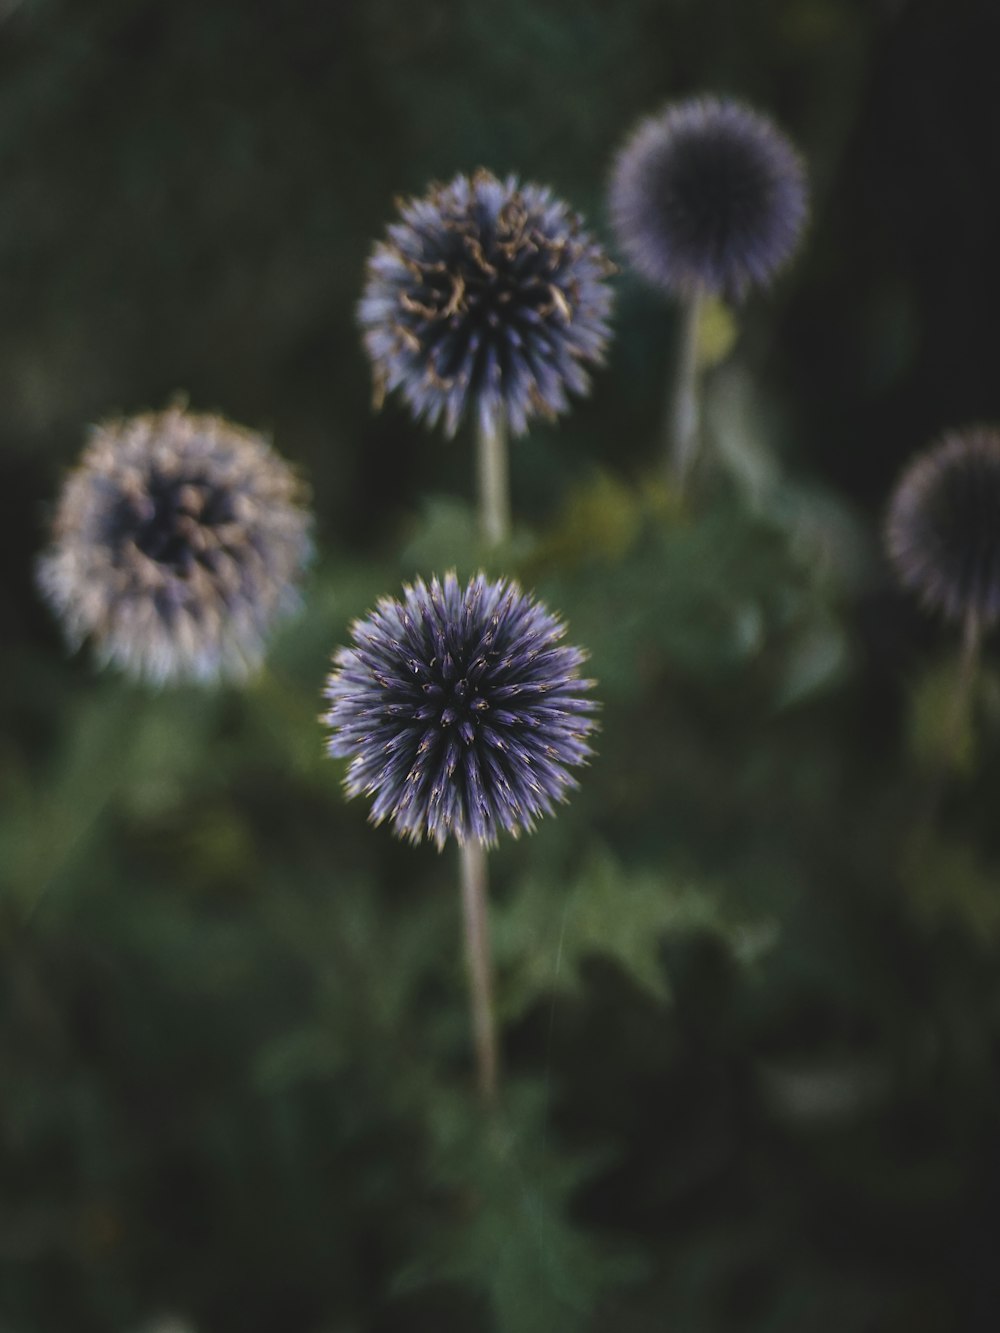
(177, 542)
(708, 195)
(487, 299)
(461, 710)
(943, 526)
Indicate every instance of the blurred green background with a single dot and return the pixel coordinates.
(749, 976)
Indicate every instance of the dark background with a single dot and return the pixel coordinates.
(748, 978)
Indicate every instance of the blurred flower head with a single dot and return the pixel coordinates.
(708, 195)
(487, 297)
(176, 543)
(461, 711)
(943, 525)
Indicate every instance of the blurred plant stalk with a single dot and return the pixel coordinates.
(683, 409)
(475, 913)
(493, 470)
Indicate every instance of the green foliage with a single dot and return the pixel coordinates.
(509, 1235)
(950, 884)
(747, 975)
(544, 937)
(942, 731)
(656, 587)
(717, 333)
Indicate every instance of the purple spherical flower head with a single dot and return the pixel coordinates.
(943, 526)
(708, 195)
(460, 710)
(487, 297)
(177, 542)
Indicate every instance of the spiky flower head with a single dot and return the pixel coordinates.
(460, 709)
(487, 297)
(943, 525)
(176, 543)
(708, 195)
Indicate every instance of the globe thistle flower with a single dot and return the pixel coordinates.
(486, 297)
(460, 710)
(943, 526)
(710, 196)
(176, 544)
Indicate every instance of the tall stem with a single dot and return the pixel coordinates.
(494, 479)
(683, 417)
(475, 910)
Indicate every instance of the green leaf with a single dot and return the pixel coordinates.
(508, 1233)
(717, 333)
(602, 518)
(545, 932)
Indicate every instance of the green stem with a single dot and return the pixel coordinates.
(475, 911)
(683, 416)
(494, 480)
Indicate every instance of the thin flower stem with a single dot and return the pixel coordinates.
(475, 910)
(494, 480)
(683, 415)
